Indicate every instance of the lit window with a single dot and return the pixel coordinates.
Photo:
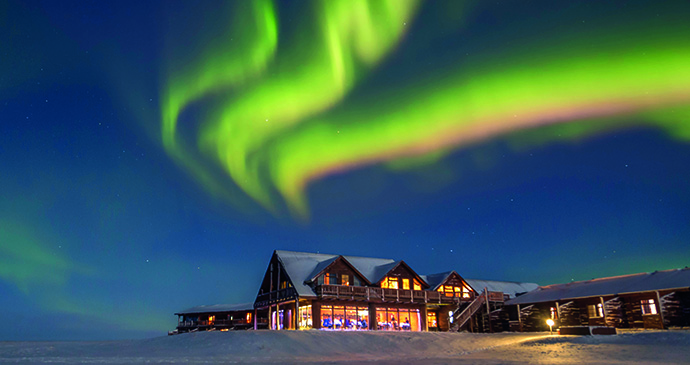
(249, 317)
(330, 279)
(417, 285)
(431, 319)
(345, 280)
(406, 284)
(648, 306)
(595, 310)
(384, 283)
(392, 283)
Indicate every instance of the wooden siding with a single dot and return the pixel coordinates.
(339, 268)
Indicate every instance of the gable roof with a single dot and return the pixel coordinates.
(302, 266)
(512, 288)
(434, 280)
(658, 280)
(323, 266)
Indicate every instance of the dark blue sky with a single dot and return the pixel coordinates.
(104, 235)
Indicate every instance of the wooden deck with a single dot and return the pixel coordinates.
(373, 294)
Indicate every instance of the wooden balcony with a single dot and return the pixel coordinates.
(219, 323)
(276, 296)
(373, 294)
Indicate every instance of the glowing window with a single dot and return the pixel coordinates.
(384, 283)
(648, 306)
(595, 310)
(431, 319)
(392, 283)
(345, 280)
(417, 285)
(406, 284)
(249, 317)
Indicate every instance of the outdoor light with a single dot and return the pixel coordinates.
(450, 316)
(550, 323)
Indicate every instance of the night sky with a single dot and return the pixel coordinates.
(153, 154)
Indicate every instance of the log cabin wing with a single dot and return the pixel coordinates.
(659, 299)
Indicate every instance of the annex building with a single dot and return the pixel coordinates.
(655, 300)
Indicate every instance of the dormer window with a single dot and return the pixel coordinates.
(389, 283)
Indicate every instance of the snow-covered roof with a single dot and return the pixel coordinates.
(302, 266)
(434, 280)
(216, 308)
(658, 280)
(512, 288)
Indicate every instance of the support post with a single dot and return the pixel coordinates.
(297, 316)
(661, 312)
(256, 326)
(488, 309)
(558, 312)
(270, 316)
(278, 321)
(519, 317)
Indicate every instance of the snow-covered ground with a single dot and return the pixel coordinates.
(661, 347)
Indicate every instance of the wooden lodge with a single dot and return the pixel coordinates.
(303, 290)
(657, 300)
(334, 292)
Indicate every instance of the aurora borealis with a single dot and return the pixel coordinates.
(271, 131)
(150, 149)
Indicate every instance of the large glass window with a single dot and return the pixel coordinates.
(431, 319)
(305, 321)
(406, 284)
(417, 285)
(345, 279)
(326, 316)
(648, 306)
(344, 317)
(397, 319)
(338, 317)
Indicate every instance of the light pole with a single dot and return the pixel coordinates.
(550, 323)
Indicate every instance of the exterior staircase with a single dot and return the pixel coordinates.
(463, 314)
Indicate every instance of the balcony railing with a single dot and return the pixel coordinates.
(220, 323)
(274, 297)
(390, 295)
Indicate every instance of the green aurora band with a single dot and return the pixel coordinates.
(285, 121)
